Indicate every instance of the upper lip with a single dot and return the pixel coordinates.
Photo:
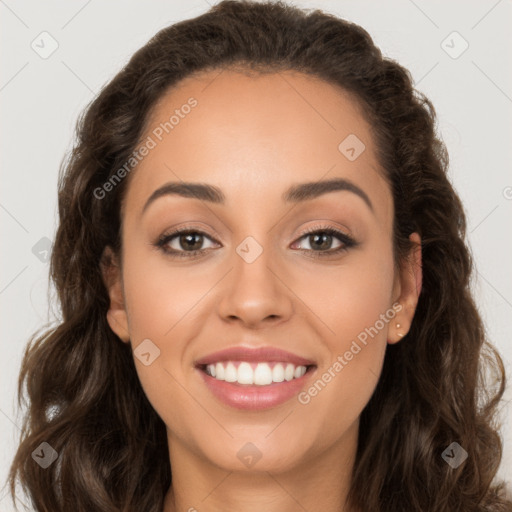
(261, 354)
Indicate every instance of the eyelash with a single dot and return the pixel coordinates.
(347, 241)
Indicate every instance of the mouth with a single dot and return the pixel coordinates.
(250, 378)
(263, 373)
(255, 386)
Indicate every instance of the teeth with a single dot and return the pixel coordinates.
(245, 374)
(278, 373)
(218, 371)
(231, 374)
(260, 374)
(288, 372)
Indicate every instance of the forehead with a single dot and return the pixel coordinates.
(256, 135)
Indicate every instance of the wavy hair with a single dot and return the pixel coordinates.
(442, 383)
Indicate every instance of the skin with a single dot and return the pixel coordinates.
(253, 137)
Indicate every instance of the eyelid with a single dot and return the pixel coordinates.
(179, 228)
(326, 227)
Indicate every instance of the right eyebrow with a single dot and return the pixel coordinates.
(201, 191)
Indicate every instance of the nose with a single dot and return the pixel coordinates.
(256, 292)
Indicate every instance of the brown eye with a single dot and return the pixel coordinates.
(320, 242)
(184, 242)
(190, 241)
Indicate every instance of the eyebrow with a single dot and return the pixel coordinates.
(295, 194)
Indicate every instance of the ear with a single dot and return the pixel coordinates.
(408, 283)
(112, 278)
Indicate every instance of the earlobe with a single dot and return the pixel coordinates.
(112, 278)
(411, 278)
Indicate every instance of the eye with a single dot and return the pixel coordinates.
(183, 242)
(319, 241)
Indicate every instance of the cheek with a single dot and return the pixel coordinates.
(166, 302)
(349, 298)
(353, 311)
(161, 295)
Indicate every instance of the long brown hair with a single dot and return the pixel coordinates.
(83, 394)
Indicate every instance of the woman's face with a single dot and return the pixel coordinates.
(258, 279)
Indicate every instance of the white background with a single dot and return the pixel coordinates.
(41, 99)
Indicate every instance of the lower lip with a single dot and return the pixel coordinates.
(252, 397)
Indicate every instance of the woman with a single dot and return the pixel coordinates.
(264, 287)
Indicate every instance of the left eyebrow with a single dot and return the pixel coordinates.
(313, 189)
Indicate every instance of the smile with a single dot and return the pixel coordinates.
(260, 374)
(246, 385)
